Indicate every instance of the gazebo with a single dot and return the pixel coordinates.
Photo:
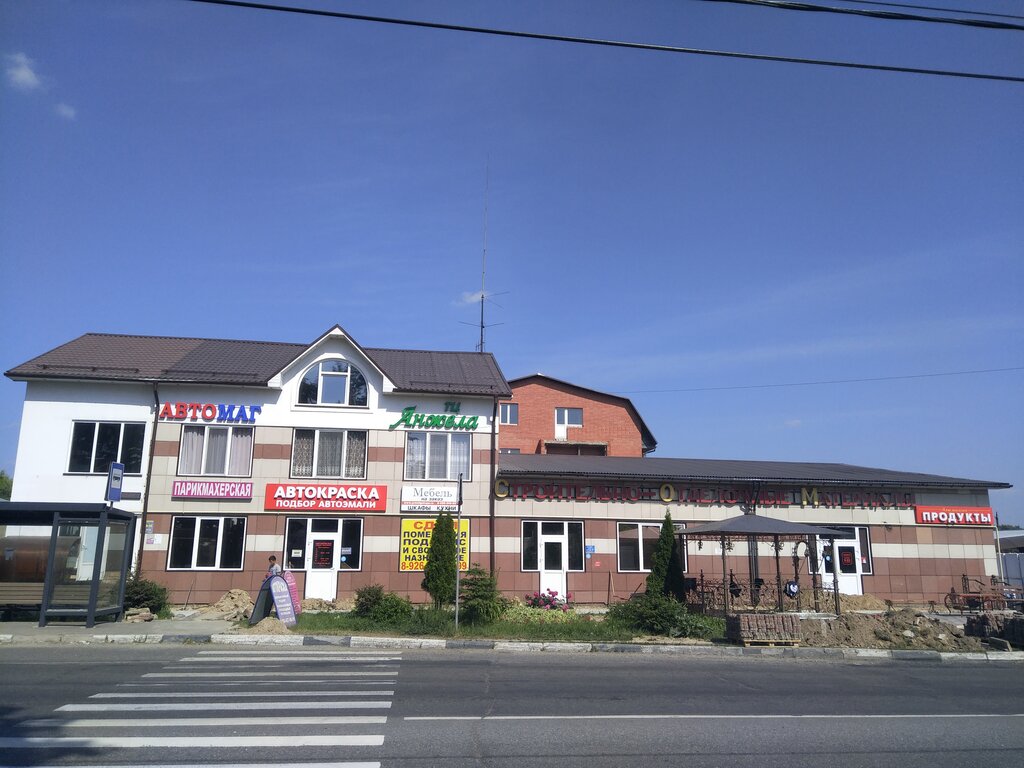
(753, 528)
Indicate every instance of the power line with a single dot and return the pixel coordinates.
(788, 5)
(607, 43)
(933, 8)
(818, 383)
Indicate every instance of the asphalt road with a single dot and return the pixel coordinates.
(335, 707)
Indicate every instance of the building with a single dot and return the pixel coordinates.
(336, 459)
(546, 415)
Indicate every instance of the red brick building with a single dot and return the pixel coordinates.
(547, 415)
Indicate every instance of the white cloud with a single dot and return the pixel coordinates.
(66, 111)
(21, 73)
(793, 423)
(471, 298)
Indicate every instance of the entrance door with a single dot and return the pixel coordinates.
(323, 549)
(846, 553)
(552, 556)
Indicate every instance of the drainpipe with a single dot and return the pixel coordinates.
(149, 481)
(490, 490)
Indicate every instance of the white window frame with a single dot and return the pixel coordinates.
(316, 454)
(95, 440)
(562, 417)
(506, 412)
(565, 533)
(449, 473)
(322, 374)
(227, 456)
(644, 567)
(195, 542)
(341, 541)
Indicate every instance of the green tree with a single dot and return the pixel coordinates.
(674, 581)
(6, 483)
(657, 578)
(442, 561)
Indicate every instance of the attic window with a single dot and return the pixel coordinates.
(333, 382)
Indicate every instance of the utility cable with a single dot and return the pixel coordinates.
(608, 43)
(788, 5)
(933, 8)
(818, 383)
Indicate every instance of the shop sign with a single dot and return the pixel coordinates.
(450, 419)
(326, 498)
(282, 601)
(206, 489)
(926, 515)
(415, 541)
(812, 497)
(430, 498)
(215, 412)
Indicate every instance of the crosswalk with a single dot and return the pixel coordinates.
(316, 708)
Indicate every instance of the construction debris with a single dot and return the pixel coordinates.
(904, 629)
(234, 606)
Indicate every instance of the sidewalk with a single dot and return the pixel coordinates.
(217, 631)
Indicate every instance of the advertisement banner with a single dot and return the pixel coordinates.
(954, 515)
(415, 541)
(206, 489)
(430, 498)
(326, 498)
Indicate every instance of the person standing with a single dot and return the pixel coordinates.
(273, 569)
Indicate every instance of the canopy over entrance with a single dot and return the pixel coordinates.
(752, 528)
(69, 560)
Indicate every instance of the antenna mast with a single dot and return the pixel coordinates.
(483, 265)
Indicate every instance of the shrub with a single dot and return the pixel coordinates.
(366, 598)
(482, 603)
(524, 614)
(142, 593)
(391, 609)
(548, 600)
(430, 621)
(652, 612)
(442, 561)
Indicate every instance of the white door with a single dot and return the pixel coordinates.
(322, 553)
(552, 554)
(846, 554)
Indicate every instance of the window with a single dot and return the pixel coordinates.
(207, 450)
(206, 543)
(298, 530)
(333, 382)
(437, 456)
(95, 444)
(638, 542)
(509, 413)
(329, 453)
(552, 532)
(569, 417)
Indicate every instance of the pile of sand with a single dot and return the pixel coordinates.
(317, 605)
(268, 626)
(234, 606)
(859, 602)
(905, 629)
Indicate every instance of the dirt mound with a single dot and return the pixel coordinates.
(861, 603)
(234, 606)
(268, 626)
(896, 630)
(316, 604)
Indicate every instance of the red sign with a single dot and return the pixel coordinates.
(954, 515)
(326, 498)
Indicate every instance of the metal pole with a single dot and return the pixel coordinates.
(835, 574)
(725, 582)
(778, 574)
(458, 554)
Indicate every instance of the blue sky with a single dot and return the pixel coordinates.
(667, 227)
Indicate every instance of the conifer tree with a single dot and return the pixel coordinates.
(657, 578)
(442, 561)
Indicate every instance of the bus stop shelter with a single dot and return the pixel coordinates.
(66, 560)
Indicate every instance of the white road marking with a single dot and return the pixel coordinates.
(206, 706)
(237, 694)
(327, 673)
(296, 652)
(161, 722)
(708, 717)
(221, 765)
(177, 742)
(250, 683)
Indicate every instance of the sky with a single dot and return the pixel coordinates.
(708, 237)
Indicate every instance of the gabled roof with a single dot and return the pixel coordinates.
(646, 436)
(126, 358)
(724, 471)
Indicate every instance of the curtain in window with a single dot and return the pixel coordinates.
(302, 453)
(241, 451)
(416, 456)
(328, 461)
(437, 456)
(461, 456)
(216, 450)
(355, 455)
(191, 459)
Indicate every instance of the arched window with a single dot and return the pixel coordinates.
(333, 382)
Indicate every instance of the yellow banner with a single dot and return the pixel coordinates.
(412, 549)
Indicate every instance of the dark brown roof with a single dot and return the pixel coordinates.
(113, 357)
(724, 471)
(646, 436)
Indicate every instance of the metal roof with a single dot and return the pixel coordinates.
(128, 358)
(724, 471)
